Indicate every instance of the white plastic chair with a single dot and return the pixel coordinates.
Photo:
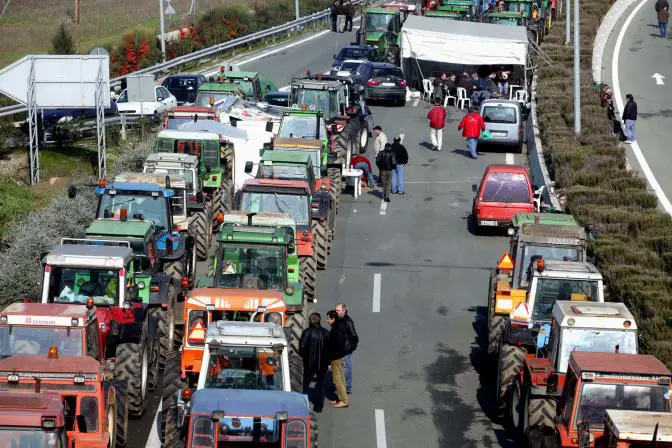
(448, 98)
(427, 89)
(521, 96)
(513, 88)
(462, 97)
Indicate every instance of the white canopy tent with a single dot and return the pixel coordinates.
(463, 43)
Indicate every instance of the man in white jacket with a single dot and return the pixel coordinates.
(381, 139)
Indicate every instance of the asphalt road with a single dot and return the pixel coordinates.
(642, 55)
(419, 370)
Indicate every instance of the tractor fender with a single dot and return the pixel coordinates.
(163, 281)
(323, 201)
(181, 243)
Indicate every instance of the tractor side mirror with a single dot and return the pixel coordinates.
(474, 188)
(72, 192)
(269, 126)
(248, 167)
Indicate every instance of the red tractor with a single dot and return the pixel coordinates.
(32, 419)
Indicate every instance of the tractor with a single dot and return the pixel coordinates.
(254, 85)
(562, 240)
(292, 197)
(192, 210)
(598, 383)
(381, 27)
(637, 429)
(32, 419)
(101, 273)
(294, 165)
(453, 9)
(217, 95)
(551, 281)
(94, 406)
(576, 326)
(185, 114)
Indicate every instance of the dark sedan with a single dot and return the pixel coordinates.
(184, 87)
(386, 83)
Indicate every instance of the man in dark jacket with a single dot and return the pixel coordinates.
(386, 162)
(334, 14)
(352, 342)
(338, 340)
(314, 349)
(349, 12)
(630, 117)
(398, 174)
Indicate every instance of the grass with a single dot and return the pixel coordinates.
(15, 202)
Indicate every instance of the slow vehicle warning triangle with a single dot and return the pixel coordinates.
(521, 313)
(197, 334)
(505, 263)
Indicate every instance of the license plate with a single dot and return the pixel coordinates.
(498, 133)
(489, 223)
(387, 84)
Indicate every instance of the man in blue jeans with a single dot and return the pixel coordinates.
(398, 173)
(630, 118)
(351, 343)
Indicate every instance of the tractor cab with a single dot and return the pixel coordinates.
(330, 97)
(253, 85)
(381, 27)
(637, 429)
(287, 165)
(185, 114)
(218, 95)
(32, 420)
(177, 166)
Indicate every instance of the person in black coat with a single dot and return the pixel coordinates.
(351, 346)
(338, 348)
(401, 154)
(630, 118)
(314, 350)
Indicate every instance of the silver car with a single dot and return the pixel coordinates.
(505, 122)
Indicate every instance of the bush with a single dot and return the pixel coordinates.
(62, 42)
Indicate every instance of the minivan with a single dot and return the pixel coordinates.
(504, 121)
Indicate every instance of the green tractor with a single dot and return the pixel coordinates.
(381, 28)
(253, 85)
(213, 94)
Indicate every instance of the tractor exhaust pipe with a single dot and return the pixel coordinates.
(249, 218)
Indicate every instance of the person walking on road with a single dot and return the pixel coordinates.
(386, 162)
(362, 163)
(630, 118)
(380, 139)
(401, 155)
(314, 350)
(337, 349)
(352, 342)
(663, 17)
(349, 12)
(437, 121)
(471, 126)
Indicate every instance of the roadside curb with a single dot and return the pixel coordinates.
(535, 153)
(607, 26)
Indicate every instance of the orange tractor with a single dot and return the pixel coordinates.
(32, 419)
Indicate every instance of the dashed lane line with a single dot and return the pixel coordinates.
(376, 293)
(153, 441)
(383, 207)
(509, 158)
(415, 102)
(381, 437)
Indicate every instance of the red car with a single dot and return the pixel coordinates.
(504, 191)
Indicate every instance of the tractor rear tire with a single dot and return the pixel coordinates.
(515, 410)
(495, 326)
(175, 268)
(542, 438)
(297, 323)
(392, 55)
(222, 202)
(166, 327)
(321, 243)
(121, 409)
(132, 366)
(541, 412)
(199, 229)
(351, 132)
(171, 386)
(295, 371)
(308, 276)
(314, 429)
(336, 187)
(511, 359)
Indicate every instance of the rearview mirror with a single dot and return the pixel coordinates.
(474, 188)
(248, 167)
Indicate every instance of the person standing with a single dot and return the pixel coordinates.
(352, 342)
(660, 4)
(663, 17)
(401, 155)
(437, 121)
(380, 139)
(386, 162)
(472, 125)
(630, 118)
(337, 350)
(334, 15)
(349, 12)
(362, 163)
(340, 20)
(314, 350)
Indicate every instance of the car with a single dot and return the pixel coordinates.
(184, 86)
(52, 116)
(505, 190)
(163, 101)
(354, 52)
(277, 98)
(347, 68)
(505, 121)
(383, 82)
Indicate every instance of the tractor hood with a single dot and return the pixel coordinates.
(375, 36)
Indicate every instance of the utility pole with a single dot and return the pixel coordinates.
(163, 31)
(76, 12)
(296, 6)
(567, 22)
(577, 71)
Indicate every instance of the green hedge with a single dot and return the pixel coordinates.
(633, 248)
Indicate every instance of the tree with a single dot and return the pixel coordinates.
(62, 42)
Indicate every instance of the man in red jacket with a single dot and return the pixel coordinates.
(362, 163)
(437, 121)
(472, 125)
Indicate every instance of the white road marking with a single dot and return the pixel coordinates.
(381, 438)
(415, 102)
(354, 210)
(383, 207)
(153, 441)
(657, 189)
(401, 136)
(509, 158)
(376, 294)
(342, 279)
(659, 79)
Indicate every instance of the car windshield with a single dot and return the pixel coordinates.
(322, 100)
(75, 285)
(294, 204)
(550, 290)
(353, 53)
(594, 340)
(550, 253)
(385, 72)
(147, 205)
(302, 126)
(296, 172)
(29, 340)
(246, 86)
(496, 114)
(378, 22)
(30, 438)
(250, 267)
(596, 398)
(506, 187)
(350, 66)
(222, 99)
(252, 368)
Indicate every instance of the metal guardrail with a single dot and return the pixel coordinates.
(208, 53)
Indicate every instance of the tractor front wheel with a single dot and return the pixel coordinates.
(511, 359)
(308, 275)
(132, 367)
(321, 243)
(171, 386)
(336, 187)
(200, 229)
(121, 409)
(296, 323)
(495, 327)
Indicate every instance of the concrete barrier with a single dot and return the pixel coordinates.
(609, 21)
